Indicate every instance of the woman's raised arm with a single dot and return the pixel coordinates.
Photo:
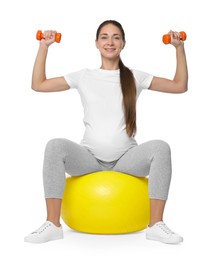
(180, 80)
(39, 81)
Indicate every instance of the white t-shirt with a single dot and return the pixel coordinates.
(100, 91)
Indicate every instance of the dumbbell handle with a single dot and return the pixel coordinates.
(167, 39)
(40, 36)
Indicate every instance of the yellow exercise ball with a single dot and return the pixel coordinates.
(106, 202)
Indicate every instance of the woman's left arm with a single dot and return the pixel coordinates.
(179, 83)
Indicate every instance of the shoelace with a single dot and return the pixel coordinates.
(42, 228)
(164, 227)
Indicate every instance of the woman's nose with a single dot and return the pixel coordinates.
(110, 41)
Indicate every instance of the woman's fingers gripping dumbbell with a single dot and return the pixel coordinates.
(175, 38)
(48, 37)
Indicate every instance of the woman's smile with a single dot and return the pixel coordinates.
(110, 49)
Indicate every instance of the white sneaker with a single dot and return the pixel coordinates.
(47, 232)
(160, 232)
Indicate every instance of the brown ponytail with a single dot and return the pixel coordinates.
(127, 85)
(129, 98)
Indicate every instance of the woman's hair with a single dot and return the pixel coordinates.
(128, 86)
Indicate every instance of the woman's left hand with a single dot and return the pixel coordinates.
(175, 39)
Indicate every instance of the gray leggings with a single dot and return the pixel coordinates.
(152, 158)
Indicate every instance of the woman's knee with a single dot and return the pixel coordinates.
(54, 145)
(162, 147)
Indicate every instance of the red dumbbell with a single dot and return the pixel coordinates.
(40, 36)
(167, 39)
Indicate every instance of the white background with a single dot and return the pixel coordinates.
(29, 119)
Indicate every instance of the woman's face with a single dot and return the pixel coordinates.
(110, 41)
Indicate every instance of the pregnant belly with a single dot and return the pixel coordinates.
(108, 147)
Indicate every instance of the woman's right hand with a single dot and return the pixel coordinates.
(49, 38)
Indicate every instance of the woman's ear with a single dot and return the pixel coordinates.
(96, 43)
(123, 46)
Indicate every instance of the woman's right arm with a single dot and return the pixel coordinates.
(39, 81)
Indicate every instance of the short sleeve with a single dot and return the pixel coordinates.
(74, 78)
(143, 79)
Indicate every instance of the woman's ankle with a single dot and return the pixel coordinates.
(54, 221)
(154, 221)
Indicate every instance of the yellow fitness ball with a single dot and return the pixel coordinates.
(106, 202)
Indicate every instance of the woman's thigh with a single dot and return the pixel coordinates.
(73, 158)
(137, 161)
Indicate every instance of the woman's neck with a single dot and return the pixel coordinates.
(110, 65)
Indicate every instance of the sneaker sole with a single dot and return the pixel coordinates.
(166, 241)
(41, 241)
